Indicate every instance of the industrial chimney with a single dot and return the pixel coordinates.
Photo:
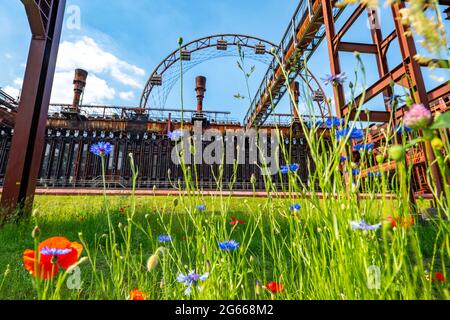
(200, 88)
(295, 87)
(79, 83)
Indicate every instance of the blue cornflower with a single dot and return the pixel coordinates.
(355, 134)
(164, 239)
(46, 251)
(284, 169)
(228, 245)
(101, 149)
(191, 279)
(374, 174)
(362, 225)
(201, 207)
(289, 168)
(334, 122)
(355, 172)
(295, 207)
(175, 135)
(343, 159)
(338, 79)
(365, 147)
(403, 129)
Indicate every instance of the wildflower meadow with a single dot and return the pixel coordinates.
(352, 231)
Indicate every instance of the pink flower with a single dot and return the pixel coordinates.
(418, 117)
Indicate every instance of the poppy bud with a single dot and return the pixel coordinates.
(180, 41)
(204, 249)
(152, 262)
(258, 288)
(208, 265)
(437, 144)
(36, 232)
(380, 159)
(397, 152)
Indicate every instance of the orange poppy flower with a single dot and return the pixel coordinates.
(53, 253)
(401, 222)
(275, 287)
(137, 294)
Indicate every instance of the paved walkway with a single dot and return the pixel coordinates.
(151, 192)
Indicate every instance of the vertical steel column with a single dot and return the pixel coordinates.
(382, 63)
(419, 92)
(46, 21)
(333, 53)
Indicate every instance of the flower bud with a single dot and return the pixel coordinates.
(397, 153)
(152, 262)
(180, 41)
(437, 144)
(258, 288)
(380, 158)
(36, 232)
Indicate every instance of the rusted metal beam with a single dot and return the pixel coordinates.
(371, 116)
(387, 42)
(439, 92)
(46, 20)
(348, 24)
(359, 47)
(418, 90)
(378, 87)
(333, 54)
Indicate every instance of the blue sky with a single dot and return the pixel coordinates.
(120, 42)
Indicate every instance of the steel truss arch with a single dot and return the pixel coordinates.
(166, 74)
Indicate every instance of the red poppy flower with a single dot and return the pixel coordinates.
(53, 253)
(235, 221)
(392, 221)
(137, 294)
(275, 287)
(400, 222)
(439, 277)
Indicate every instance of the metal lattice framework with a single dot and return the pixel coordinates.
(167, 73)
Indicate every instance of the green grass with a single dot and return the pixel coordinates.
(314, 253)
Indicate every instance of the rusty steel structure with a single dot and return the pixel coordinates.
(167, 73)
(68, 163)
(48, 145)
(313, 21)
(45, 19)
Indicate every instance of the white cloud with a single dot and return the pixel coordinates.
(8, 56)
(18, 82)
(101, 65)
(126, 95)
(87, 54)
(97, 91)
(12, 91)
